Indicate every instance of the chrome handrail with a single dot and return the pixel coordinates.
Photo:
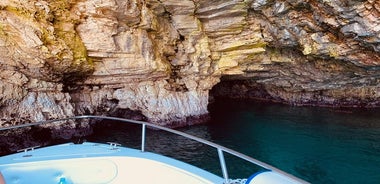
(219, 148)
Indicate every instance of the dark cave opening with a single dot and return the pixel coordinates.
(240, 89)
(251, 89)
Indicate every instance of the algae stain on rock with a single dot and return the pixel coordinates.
(64, 24)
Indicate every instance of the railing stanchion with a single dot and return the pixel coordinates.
(143, 138)
(220, 148)
(223, 165)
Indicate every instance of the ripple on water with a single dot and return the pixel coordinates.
(316, 144)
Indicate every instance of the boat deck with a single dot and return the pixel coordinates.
(92, 163)
(98, 163)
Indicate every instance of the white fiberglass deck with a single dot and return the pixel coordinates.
(93, 163)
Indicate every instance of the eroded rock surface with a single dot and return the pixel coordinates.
(317, 53)
(161, 58)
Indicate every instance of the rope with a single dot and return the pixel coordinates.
(237, 181)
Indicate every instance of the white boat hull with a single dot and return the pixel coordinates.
(70, 163)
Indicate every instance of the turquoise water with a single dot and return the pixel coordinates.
(320, 145)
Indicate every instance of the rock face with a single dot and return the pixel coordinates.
(317, 53)
(160, 58)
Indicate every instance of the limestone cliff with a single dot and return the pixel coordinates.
(162, 57)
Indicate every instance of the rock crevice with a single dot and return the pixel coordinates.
(160, 58)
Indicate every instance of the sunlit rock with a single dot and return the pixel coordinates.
(160, 59)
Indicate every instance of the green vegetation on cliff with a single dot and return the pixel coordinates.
(55, 26)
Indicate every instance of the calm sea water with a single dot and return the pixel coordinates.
(319, 145)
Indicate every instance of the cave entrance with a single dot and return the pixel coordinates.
(237, 88)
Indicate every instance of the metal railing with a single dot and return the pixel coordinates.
(220, 149)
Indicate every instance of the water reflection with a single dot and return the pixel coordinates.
(320, 145)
